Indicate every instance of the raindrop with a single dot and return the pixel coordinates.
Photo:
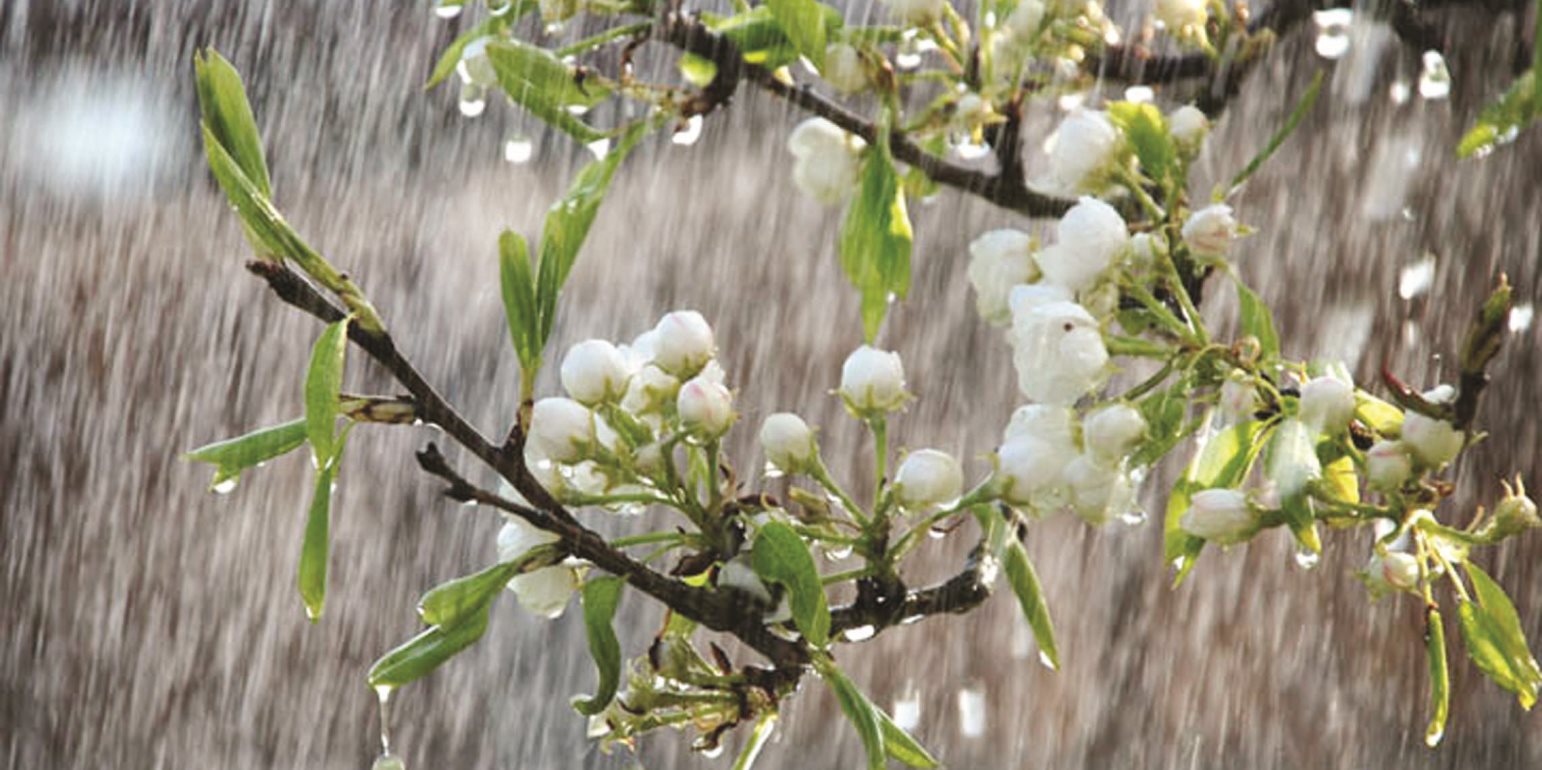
(1399, 91)
(1333, 32)
(518, 148)
(971, 712)
(1520, 317)
(1139, 94)
(1435, 80)
(907, 709)
(383, 692)
(1179, 563)
(1045, 659)
(578, 110)
(936, 533)
(473, 100)
(908, 56)
(554, 28)
(770, 471)
(1307, 559)
(447, 11)
(860, 633)
(970, 150)
(1133, 518)
(1415, 279)
(837, 552)
(1071, 102)
(687, 136)
(229, 485)
(599, 148)
(1433, 739)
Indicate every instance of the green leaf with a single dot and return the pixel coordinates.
(757, 35)
(1164, 411)
(861, 713)
(804, 24)
(1030, 596)
(323, 381)
(1297, 115)
(535, 79)
(1440, 680)
(1258, 321)
(456, 50)
(901, 745)
(780, 556)
(1146, 129)
(1514, 111)
(697, 70)
(227, 116)
(316, 549)
(876, 236)
(1495, 641)
(567, 225)
(231, 456)
(1222, 461)
(519, 304)
(762, 733)
(1340, 481)
(425, 652)
(451, 602)
(600, 597)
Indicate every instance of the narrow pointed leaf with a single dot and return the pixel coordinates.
(1258, 321)
(232, 456)
(780, 556)
(803, 21)
(316, 549)
(876, 237)
(519, 306)
(861, 713)
(601, 595)
(1297, 115)
(1030, 596)
(1222, 461)
(323, 381)
(228, 115)
(1440, 680)
(425, 652)
(451, 602)
(901, 745)
(537, 80)
(1146, 129)
(1491, 629)
(1511, 113)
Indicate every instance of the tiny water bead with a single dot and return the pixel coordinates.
(518, 148)
(225, 487)
(1307, 559)
(388, 762)
(860, 633)
(1521, 316)
(599, 148)
(1416, 279)
(688, 134)
(1333, 32)
(473, 100)
(447, 10)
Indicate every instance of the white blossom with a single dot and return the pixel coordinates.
(561, 429)
(1023, 298)
(828, 160)
(1049, 423)
(998, 261)
(1058, 352)
(1400, 570)
(1210, 230)
(1238, 400)
(787, 441)
(594, 371)
(916, 12)
(683, 343)
(649, 390)
(705, 407)
(1091, 236)
(1086, 145)
(1293, 459)
(1032, 472)
(928, 477)
(544, 591)
(1218, 515)
(1327, 404)
(1188, 126)
(1112, 431)
(843, 68)
(1098, 491)
(1387, 465)
(873, 380)
(1434, 442)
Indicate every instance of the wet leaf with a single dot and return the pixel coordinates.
(1030, 596)
(861, 712)
(227, 115)
(901, 745)
(876, 237)
(1220, 462)
(1340, 481)
(517, 280)
(453, 601)
(1380, 416)
(232, 456)
(323, 381)
(1495, 641)
(697, 70)
(761, 39)
(535, 79)
(1146, 130)
(1163, 411)
(600, 597)
(1440, 681)
(804, 24)
(1499, 122)
(1258, 321)
(425, 652)
(780, 556)
(315, 551)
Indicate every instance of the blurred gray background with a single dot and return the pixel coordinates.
(149, 623)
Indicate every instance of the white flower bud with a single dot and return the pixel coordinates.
(1239, 400)
(1024, 20)
(1098, 491)
(928, 477)
(1210, 231)
(594, 371)
(828, 160)
(917, 13)
(1188, 125)
(1434, 442)
(1085, 146)
(1091, 236)
(1032, 472)
(873, 380)
(1218, 515)
(1293, 459)
(544, 591)
(649, 390)
(843, 68)
(737, 574)
(1400, 570)
(1144, 250)
(706, 408)
(561, 429)
(787, 441)
(1327, 404)
(1111, 432)
(683, 343)
(1048, 423)
(1058, 352)
(1387, 465)
(1177, 14)
(1515, 513)
(1023, 298)
(999, 260)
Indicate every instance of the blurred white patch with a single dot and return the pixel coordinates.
(907, 709)
(1392, 171)
(1333, 32)
(518, 148)
(94, 134)
(1139, 94)
(1520, 317)
(1355, 75)
(1399, 91)
(1345, 332)
(1416, 278)
(1435, 79)
(971, 712)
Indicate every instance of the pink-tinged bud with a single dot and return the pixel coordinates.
(1210, 231)
(1400, 570)
(706, 408)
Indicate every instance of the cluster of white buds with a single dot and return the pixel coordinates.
(1042, 466)
(828, 160)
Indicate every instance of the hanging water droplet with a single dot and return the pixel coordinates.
(1133, 518)
(225, 487)
(1435, 79)
(690, 133)
(770, 471)
(1433, 739)
(554, 28)
(936, 533)
(1415, 279)
(1520, 317)
(578, 110)
(860, 633)
(971, 712)
(1307, 558)
(1140, 94)
(388, 762)
(599, 148)
(518, 148)
(1399, 91)
(1179, 563)
(907, 709)
(1333, 32)
(1048, 663)
(447, 11)
(837, 552)
(713, 752)
(908, 55)
(383, 692)
(473, 100)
